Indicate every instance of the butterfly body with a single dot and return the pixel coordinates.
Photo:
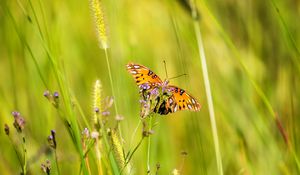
(157, 95)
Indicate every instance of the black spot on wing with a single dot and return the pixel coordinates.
(181, 91)
(150, 72)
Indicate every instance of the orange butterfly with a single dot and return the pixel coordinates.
(163, 97)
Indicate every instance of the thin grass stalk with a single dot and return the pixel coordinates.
(56, 162)
(25, 155)
(113, 89)
(258, 90)
(132, 153)
(22, 39)
(134, 133)
(17, 153)
(84, 118)
(149, 146)
(98, 15)
(291, 38)
(98, 155)
(209, 97)
(71, 119)
(59, 78)
(36, 19)
(72, 126)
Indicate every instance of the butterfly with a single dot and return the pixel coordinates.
(167, 98)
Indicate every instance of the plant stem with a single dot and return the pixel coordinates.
(16, 151)
(149, 145)
(98, 155)
(134, 150)
(209, 97)
(112, 89)
(25, 156)
(56, 162)
(134, 132)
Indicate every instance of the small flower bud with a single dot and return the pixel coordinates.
(97, 110)
(52, 139)
(55, 95)
(47, 94)
(19, 122)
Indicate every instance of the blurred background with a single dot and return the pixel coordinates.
(261, 36)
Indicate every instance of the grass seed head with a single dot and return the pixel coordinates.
(98, 15)
(117, 148)
(97, 105)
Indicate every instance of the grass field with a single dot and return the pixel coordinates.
(63, 71)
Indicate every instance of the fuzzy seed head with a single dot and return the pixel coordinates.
(117, 148)
(98, 15)
(97, 98)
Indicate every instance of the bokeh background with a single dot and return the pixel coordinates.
(251, 47)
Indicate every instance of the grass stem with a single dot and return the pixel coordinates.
(149, 145)
(56, 162)
(112, 90)
(209, 97)
(25, 156)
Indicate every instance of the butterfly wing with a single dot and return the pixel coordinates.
(143, 75)
(181, 100)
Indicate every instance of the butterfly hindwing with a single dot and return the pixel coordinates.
(143, 75)
(181, 100)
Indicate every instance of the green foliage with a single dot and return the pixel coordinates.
(253, 63)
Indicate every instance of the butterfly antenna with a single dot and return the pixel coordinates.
(178, 76)
(165, 64)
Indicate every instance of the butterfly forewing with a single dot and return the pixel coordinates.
(143, 75)
(181, 100)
